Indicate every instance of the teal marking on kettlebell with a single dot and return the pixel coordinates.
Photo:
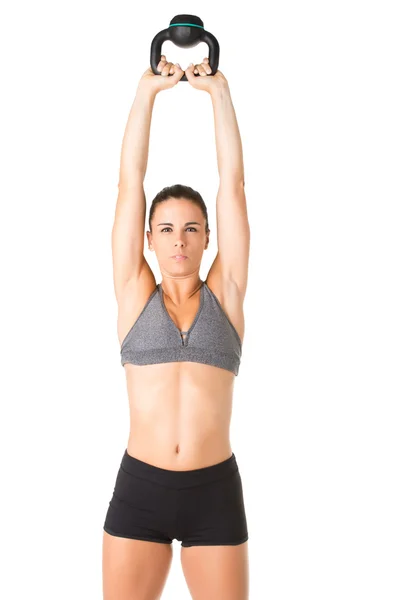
(186, 25)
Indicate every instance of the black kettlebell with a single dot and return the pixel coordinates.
(185, 31)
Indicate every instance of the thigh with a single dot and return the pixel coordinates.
(214, 513)
(141, 509)
(217, 572)
(134, 568)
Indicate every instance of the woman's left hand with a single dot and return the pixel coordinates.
(203, 81)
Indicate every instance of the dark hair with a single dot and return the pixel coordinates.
(178, 191)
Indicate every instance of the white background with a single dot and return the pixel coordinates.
(315, 424)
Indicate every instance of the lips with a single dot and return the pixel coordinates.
(179, 257)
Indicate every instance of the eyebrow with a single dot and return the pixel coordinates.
(189, 223)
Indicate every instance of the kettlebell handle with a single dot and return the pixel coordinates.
(185, 31)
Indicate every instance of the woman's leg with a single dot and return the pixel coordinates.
(134, 568)
(138, 533)
(217, 571)
(213, 529)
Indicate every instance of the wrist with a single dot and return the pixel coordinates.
(146, 92)
(220, 91)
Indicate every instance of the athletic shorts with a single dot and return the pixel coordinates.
(199, 507)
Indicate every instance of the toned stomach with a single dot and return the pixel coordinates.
(180, 414)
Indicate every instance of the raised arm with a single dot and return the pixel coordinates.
(233, 230)
(128, 230)
(130, 211)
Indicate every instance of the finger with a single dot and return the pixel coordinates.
(166, 69)
(178, 73)
(201, 70)
(189, 72)
(207, 67)
(161, 64)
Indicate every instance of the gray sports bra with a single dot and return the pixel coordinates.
(211, 339)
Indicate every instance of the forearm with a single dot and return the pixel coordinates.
(227, 136)
(135, 144)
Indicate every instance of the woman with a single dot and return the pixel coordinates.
(181, 343)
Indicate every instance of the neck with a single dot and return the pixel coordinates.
(180, 291)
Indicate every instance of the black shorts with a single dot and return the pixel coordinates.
(199, 507)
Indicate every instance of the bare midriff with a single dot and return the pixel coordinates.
(180, 414)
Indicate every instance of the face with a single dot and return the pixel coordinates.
(178, 228)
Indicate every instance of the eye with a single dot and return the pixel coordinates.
(194, 228)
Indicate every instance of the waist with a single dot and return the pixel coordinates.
(179, 449)
(179, 478)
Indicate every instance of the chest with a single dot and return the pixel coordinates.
(182, 318)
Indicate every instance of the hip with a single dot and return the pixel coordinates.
(197, 506)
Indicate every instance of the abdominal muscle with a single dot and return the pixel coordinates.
(180, 414)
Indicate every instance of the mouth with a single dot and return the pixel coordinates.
(179, 257)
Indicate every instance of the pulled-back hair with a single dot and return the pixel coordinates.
(179, 191)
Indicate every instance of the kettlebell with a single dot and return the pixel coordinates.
(185, 31)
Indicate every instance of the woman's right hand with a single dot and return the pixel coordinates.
(157, 83)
